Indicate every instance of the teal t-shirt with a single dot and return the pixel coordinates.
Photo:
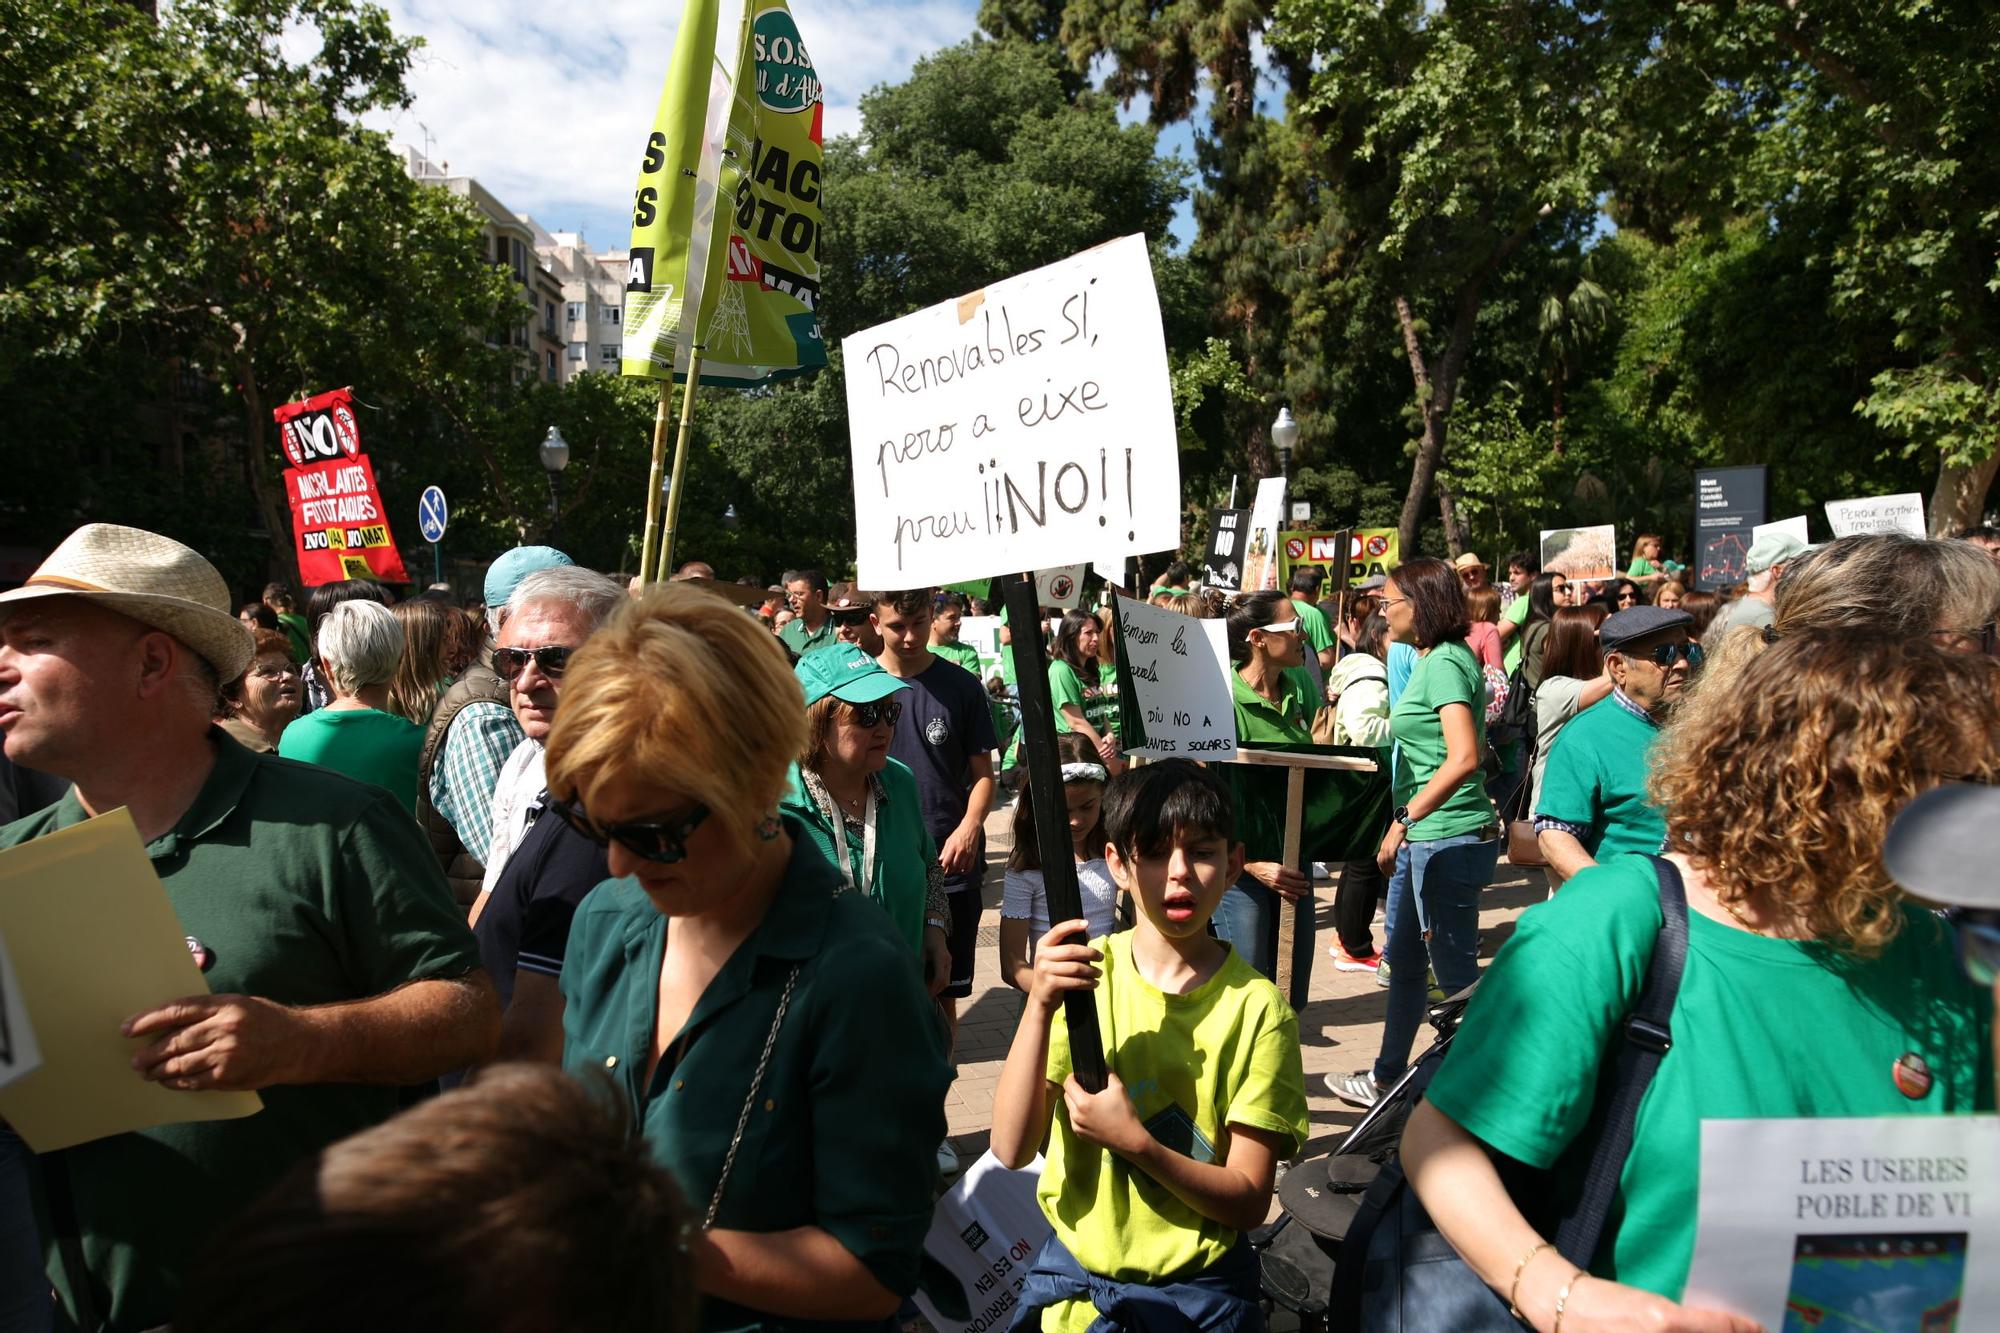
(1596, 779)
(366, 744)
(1761, 1028)
(904, 851)
(1447, 674)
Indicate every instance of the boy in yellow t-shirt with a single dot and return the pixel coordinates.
(1150, 1183)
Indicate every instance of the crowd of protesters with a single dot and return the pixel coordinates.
(718, 852)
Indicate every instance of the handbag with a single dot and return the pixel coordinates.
(1398, 1274)
(1523, 847)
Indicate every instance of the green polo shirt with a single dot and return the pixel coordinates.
(308, 888)
(1313, 624)
(904, 851)
(1287, 722)
(801, 640)
(844, 1130)
(960, 654)
(1596, 779)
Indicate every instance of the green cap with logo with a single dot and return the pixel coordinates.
(846, 673)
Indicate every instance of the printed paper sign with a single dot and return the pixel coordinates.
(1370, 551)
(20, 1053)
(1179, 668)
(1260, 558)
(1884, 1223)
(1222, 565)
(984, 1236)
(1062, 586)
(1884, 513)
(1023, 426)
(1589, 554)
(338, 526)
(1794, 527)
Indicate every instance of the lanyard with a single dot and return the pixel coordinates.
(867, 841)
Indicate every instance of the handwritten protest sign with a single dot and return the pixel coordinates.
(1883, 513)
(1025, 425)
(1885, 1223)
(1179, 669)
(337, 519)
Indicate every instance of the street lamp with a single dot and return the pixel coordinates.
(730, 521)
(554, 450)
(1284, 435)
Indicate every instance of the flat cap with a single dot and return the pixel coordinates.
(1640, 622)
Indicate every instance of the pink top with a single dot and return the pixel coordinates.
(1484, 641)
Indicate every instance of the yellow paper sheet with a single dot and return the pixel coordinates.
(94, 941)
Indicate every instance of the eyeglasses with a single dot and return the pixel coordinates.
(662, 844)
(551, 660)
(262, 672)
(889, 711)
(1666, 654)
(1978, 933)
(1382, 602)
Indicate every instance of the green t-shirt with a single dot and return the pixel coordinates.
(306, 888)
(960, 654)
(1066, 687)
(1313, 625)
(1100, 704)
(801, 640)
(1447, 674)
(1516, 614)
(1225, 1053)
(366, 744)
(1596, 779)
(845, 1128)
(904, 851)
(1641, 568)
(1286, 722)
(1762, 1028)
(294, 626)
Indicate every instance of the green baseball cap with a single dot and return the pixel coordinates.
(848, 674)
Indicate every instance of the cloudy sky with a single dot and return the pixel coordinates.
(549, 106)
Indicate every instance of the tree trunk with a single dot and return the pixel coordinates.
(1960, 499)
(280, 567)
(1558, 425)
(1454, 535)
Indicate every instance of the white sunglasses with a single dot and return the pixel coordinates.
(1281, 626)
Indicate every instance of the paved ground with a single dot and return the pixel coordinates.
(1341, 1026)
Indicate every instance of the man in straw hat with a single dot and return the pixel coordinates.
(339, 965)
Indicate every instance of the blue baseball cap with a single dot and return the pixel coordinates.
(846, 673)
(505, 573)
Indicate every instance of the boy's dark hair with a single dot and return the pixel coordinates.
(1177, 574)
(1525, 561)
(1147, 808)
(1305, 579)
(1437, 600)
(913, 602)
(812, 578)
(518, 1203)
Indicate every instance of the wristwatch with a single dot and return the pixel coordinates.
(1402, 816)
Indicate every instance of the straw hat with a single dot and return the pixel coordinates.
(153, 579)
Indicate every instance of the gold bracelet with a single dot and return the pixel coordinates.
(1562, 1299)
(1514, 1291)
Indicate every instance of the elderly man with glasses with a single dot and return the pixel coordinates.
(1593, 803)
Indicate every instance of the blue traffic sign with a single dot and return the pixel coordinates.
(431, 514)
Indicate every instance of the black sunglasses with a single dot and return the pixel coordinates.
(882, 710)
(849, 618)
(1665, 654)
(662, 844)
(509, 662)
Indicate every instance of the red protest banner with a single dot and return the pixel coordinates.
(337, 520)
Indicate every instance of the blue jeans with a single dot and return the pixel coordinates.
(1433, 921)
(1247, 918)
(25, 1306)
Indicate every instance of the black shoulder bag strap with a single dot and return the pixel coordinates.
(1648, 1035)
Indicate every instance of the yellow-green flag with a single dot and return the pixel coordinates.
(726, 217)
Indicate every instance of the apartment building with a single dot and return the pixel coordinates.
(593, 287)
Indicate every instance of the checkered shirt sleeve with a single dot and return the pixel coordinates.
(481, 737)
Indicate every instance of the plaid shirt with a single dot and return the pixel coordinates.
(481, 737)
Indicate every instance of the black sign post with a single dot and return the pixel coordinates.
(1728, 503)
(1051, 811)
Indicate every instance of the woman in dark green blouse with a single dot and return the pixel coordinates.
(770, 1031)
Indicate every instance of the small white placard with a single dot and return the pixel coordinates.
(1883, 513)
(1794, 526)
(1180, 671)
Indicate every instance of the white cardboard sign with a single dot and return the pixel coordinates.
(1026, 425)
(1889, 1223)
(984, 1235)
(1883, 513)
(1180, 671)
(1260, 558)
(1061, 586)
(1794, 526)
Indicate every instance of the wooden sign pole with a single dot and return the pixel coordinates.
(1051, 811)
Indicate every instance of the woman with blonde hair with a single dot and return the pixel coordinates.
(768, 1030)
(424, 673)
(1779, 795)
